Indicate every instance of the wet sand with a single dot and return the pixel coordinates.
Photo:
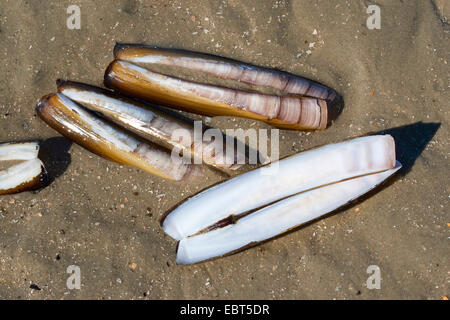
(104, 217)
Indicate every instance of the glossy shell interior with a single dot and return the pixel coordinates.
(107, 140)
(263, 186)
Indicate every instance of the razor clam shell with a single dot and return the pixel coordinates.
(223, 68)
(19, 151)
(276, 219)
(300, 172)
(143, 120)
(27, 175)
(210, 100)
(98, 136)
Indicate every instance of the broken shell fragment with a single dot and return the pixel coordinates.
(277, 219)
(288, 112)
(148, 122)
(27, 175)
(148, 56)
(19, 151)
(263, 186)
(107, 140)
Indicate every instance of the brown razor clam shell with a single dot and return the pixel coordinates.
(146, 156)
(38, 182)
(210, 100)
(158, 130)
(223, 68)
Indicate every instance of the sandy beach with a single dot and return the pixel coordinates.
(104, 218)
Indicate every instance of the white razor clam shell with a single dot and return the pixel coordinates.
(19, 151)
(276, 219)
(300, 172)
(20, 174)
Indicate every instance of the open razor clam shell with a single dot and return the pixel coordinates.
(19, 151)
(100, 137)
(149, 123)
(27, 175)
(288, 112)
(265, 185)
(277, 218)
(223, 68)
